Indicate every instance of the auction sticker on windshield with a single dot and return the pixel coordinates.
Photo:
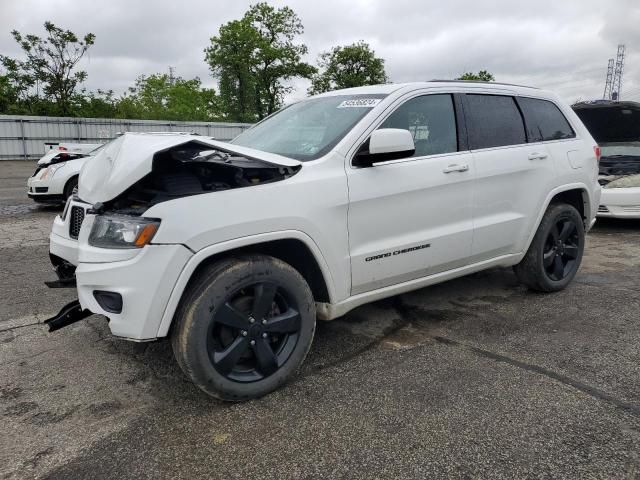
(359, 103)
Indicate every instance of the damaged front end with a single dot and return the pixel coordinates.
(132, 174)
(136, 172)
(193, 169)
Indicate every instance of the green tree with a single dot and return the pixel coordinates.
(348, 66)
(100, 104)
(278, 57)
(482, 75)
(8, 95)
(49, 66)
(232, 61)
(158, 97)
(254, 57)
(19, 89)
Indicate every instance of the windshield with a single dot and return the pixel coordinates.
(631, 149)
(307, 130)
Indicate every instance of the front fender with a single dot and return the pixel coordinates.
(207, 252)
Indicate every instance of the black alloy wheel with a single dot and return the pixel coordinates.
(244, 326)
(555, 253)
(561, 249)
(254, 332)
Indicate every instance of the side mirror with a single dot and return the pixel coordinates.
(385, 144)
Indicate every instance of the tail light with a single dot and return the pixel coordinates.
(63, 149)
(596, 150)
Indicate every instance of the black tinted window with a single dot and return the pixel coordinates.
(432, 122)
(544, 120)
(493, 121)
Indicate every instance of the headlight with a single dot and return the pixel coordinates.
(122, 232)
(51, 170)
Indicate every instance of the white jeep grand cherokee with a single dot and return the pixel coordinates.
(233, 249)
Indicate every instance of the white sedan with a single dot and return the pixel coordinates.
(56, 175)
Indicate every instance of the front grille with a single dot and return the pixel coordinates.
(75, 221)
(42, 189)
(603, 209)
(632, 208)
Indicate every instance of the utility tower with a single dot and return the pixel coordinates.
(616, 85)
(607, 86)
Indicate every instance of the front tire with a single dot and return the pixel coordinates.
(555, 253)
(70, 186)
(244, 327)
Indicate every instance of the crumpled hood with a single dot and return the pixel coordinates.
(129, 158)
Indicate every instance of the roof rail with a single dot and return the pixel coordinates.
(483, 82)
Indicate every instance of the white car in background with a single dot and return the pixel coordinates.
(56, 175)
(616, 127)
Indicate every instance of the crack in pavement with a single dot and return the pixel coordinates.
(583, 387)
(411, 313)
(26, 357)
(15, 327)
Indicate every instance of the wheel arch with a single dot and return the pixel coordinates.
(75, 176)
(293, 247)
(576, 194)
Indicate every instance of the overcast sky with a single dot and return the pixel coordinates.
(562, 45)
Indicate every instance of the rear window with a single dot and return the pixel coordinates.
(493, 121)
(544, 120)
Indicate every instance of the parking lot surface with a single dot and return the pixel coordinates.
(476, 377)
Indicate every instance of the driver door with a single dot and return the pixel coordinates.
(412, 217)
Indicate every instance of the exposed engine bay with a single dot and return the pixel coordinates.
(195, 169)
(620, 171)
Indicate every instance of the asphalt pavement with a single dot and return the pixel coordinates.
(473, 378)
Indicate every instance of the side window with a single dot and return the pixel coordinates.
(493, 121)
(544, 120)
(432, 122)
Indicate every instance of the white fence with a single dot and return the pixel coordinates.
(23, 137)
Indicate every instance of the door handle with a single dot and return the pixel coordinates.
(456, 168)
(537, 156)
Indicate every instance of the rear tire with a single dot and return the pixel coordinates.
(555, 253)
(244, 327)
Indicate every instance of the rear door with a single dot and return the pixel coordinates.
(411, 217)
(512, 176)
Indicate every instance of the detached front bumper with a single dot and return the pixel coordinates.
(620, 203)
(139, 288)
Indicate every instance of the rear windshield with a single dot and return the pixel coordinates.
(309, 129)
